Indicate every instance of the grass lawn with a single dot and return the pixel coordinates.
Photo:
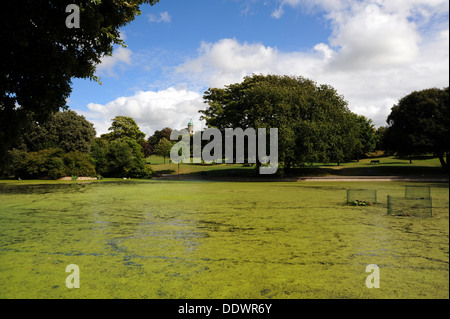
(388, 166)
(205, 239)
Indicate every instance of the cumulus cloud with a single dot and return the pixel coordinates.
(228, 61)
(119, 58)
(152, 110)
(378, 52)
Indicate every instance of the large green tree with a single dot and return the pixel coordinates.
(119, 153)
(41, 55)
(367, 136)
(66, 130)
(124, 127)
(419, 124)
(313, 121)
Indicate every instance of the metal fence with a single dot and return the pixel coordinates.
(417, 192)
(412, 207)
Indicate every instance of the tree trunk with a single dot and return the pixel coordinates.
(410, 159)
(258, 165)
(442, 160)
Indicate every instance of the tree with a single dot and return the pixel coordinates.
(41, 55)
(125, 159)
(158, 135)
(147, 148)
(313, 121)
(163, 148)
(125, 127)
(99, 155)
(66, 130)
(119, 153)
(380, 138)
(367, 139)
(419, 124)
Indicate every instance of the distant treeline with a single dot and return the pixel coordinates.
(314, 125)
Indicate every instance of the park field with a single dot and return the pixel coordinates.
(209, 239)
(387, 166)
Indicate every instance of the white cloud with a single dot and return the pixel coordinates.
(228, 61)
(108, 64)
(151, 110)
(378, 52)
(162, 17)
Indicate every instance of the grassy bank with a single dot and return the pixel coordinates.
(387, 166)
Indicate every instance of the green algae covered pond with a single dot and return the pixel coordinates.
(197, 239)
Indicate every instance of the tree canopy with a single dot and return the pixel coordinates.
(163, 148)
(124, 127)
(120, 153)
(41, 55)
(419, 124)
(313, 121)
(66, 130)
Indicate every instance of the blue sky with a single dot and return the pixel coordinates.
(372, 52)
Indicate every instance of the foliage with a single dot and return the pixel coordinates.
(53, 163)
(41, 56)
(66, 130)
(419, 124)
(120, 152)
(150, 145)
(124, 127)
(367, 138)
(359, 203)
(41, 164)
(78, 164)
(99, 155)
(158, 135)
(119, 158)
(163, 148)
(380, 138)
(313, 121)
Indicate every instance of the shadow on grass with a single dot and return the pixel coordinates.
(366, 169)
(165, 171)
(372, 171)
(416, 157)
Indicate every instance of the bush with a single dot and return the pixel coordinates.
(45, 163)
(121, 157)
(53, 163)
(78, 164)
(99, 155)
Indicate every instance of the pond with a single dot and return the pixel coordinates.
(204, 239)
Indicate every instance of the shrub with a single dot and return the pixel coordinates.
(41, 164)
(78, 164)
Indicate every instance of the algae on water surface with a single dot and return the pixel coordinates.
(217, 240)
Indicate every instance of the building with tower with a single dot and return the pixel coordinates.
(191, 128)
